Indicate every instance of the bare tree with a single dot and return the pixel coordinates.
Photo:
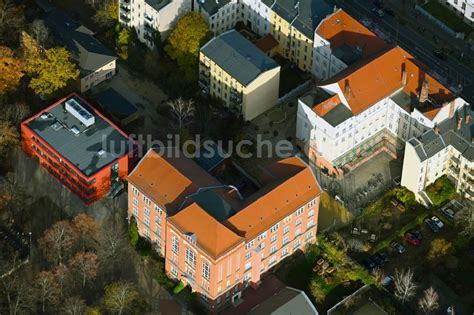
(11, 19)
(15, 113)
(74, 306)
(57, 241)
(39, 32)
(405, 287)
(16, 292)
(47, 289)
(465, 220)
(339, 241)
(85, 265)
(60, 273)
(429, 301)
(355, 245)
(85, 227)
(182, 110)
(15, 196)
(119, 296)
(112, 243)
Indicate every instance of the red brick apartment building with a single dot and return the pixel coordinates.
(80, 147)
(213, 239)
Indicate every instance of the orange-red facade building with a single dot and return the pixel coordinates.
(80, 147)
(213, 239)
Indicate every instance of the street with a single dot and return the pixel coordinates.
(449, 72)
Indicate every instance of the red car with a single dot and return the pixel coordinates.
(412, 239)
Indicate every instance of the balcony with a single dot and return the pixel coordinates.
(125, 5)
(124, 18)
(148, 19)
(124, 12)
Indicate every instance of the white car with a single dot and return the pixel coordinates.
(437, 221)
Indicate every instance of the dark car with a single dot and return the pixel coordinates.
(440, 54)
(412, 239)
(378, 12)
(389, 11)
(379, 261)
(448, 213)
(432, 225)
(399, 248)
(369, 264)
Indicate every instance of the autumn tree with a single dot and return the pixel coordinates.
(429, 301)
(11, 70)
(123, 41)
(15, 113)
(120, 296)
(464, 219)
(85, 227)
(439, 247)
(186, 40)
(107, 14)
(74, 306)
(58, 241)
(85, 265)
(61, 276)
(11, 20)
(52, 71)
(9, 136)
(405, 287)
(182, 111)
(47, 289)
(39, 32)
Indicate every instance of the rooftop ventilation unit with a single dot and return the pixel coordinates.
(45, 115)
(56, 126)
(101, 152)
(83, 115)
(75, 130)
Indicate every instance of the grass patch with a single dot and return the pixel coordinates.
(178, 288)
(448, 17)
(441, 190)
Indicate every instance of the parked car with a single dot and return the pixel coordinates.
(388, 281)
(369, 264)
(379, 261)
(440, 54)
(378, 12)
(399, 248)
(432, 225)
(384, 255)
(411, 239)
(448, 213)
(437, 221)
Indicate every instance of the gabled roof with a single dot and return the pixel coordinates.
(89, 53)
(367, 84)
(212, 6)
(238, 57)
(340, 29)
(212, 236)
(277, 200)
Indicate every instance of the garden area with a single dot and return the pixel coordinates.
(441, 190)
(448, 17)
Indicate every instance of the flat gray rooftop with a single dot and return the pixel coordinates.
(157, 4)
(214, 205)
(348, 54)
(337, 115)
(238, 56)
(82, 150)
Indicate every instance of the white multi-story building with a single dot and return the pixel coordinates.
(377, 106)
(447, 149)
(150, 16)
(464, 7)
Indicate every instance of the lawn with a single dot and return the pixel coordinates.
(441, 190)
(447, 16)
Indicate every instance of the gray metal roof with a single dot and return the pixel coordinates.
(214, 205)
(82, 149)
(114, 103)
(89, 53)
(238, 56)
(430, 143)
(337, 115)
(304, 15)
(314, 97)
(212, 6)
(157, 4)
(286, 301)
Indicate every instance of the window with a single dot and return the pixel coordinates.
(262, 236)
(158, 220)
(147, 221)
(158, 210)
(135, 212)
(248, 255)
(147, 211)
(248, 265)
(310, 223)
(206, 270)
(146, 200)
(285, 240)
(297, 232)
(286, 230)
(249, 245)
(274, 228)
(158, 231)
(299, 211)
(135, 201)
(284, 252)
(298, 221)
(190, 257)
(175, 245)
(273, 249)
(310, 214)
(135, 191)
(273, 239)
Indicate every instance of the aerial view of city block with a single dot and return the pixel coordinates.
(265, 157)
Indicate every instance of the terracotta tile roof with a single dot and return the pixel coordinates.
(325, 107)
(340, 28)
(266, 43)
(213, 237)
(274, 202)
(382, 76)
(168, 180)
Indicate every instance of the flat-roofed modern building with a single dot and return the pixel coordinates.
(80, 147)
(234, 70)
(448, 149)
(212, 238)
(377, 105)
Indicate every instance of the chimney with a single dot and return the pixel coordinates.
(459, 123)
(424, 92)
(451, 109)
(404, 77)
(468, 119)
(436, 129)
(347, 90)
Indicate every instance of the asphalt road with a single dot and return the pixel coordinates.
(449, 71)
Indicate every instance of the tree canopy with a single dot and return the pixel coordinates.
(52, 71)
(11, 70)
(184, 43)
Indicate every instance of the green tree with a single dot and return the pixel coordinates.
(123, 41)
(53, 71)
(107, 14)
(120, 296)
(185, 41)
(133, 232)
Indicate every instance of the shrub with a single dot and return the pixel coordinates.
(178, 288)
(441, 190)
(133, 232)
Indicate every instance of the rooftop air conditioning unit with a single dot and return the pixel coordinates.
(78, 111)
